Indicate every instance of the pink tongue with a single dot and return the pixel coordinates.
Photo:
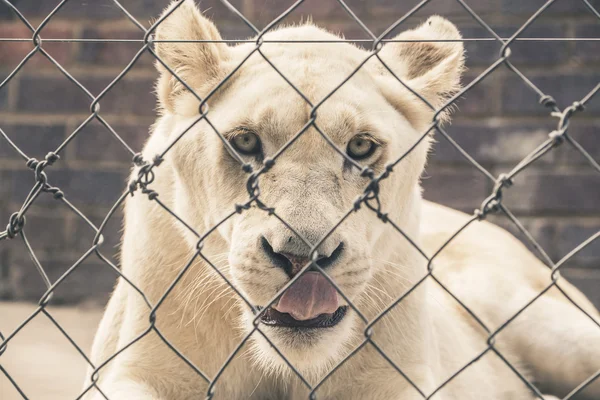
(310, 296)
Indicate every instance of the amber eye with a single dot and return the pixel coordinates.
(247, 143)
(360, 147)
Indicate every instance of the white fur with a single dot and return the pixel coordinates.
(427, 335)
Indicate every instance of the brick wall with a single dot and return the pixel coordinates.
(498, 123)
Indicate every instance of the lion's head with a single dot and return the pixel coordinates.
(282, 107)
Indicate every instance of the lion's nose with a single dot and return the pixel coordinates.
(292, 263)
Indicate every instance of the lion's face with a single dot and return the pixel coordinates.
(307, 195)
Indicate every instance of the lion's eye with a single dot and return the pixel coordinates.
(247, 143)
(360, 147)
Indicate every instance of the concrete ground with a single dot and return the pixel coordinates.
(39, 358)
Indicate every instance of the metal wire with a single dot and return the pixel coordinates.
(369, 198)
(233, 41)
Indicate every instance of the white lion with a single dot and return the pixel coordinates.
(427, 337)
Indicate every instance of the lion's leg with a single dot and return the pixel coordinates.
(559, 342)
(107, 335)
(121, 390)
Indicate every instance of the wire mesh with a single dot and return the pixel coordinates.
(493, 204)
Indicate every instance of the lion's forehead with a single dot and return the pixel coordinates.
(304, 55)
(261, 97)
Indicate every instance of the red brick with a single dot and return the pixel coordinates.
(96, 143)
(463, 189)
(573, 234)
(35, 140)
(480, 99)
(586, 134)
(586, 51)
(28, 284)
(112, 53)
(400, 8)
(547, 191)
(82, 236)
(491, 143)
(11, 53)
(519, 98)
(528, 8)
(588, 281)
(130, 95)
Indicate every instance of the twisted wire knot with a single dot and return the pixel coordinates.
(138, 159)
(56, 192)
(557, 136)
(548, 101)
(39, 166)
(15, 225)
(241, 207)
(151, 193)
(488, 206)
(252, 186)
(492, 203)
(157, 160)
(503, 181)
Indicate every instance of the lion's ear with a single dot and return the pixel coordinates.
(432, 68)
(199, 65)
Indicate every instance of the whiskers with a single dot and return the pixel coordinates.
(390, 282)
(203, 289)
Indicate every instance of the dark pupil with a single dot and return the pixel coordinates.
(246, 139)
(360, 145)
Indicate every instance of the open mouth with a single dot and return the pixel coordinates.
(275, 318)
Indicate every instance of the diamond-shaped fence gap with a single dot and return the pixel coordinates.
(126, 88)
(37, 94)
(96, 147)
(24, 276)
(66, 365)
(19, 43)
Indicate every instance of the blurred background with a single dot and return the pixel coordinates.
(499, 122)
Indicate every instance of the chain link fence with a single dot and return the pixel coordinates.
(142, 185)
